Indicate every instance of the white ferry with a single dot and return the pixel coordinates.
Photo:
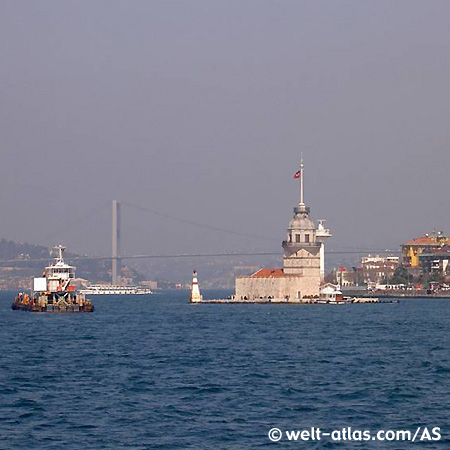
(107, 289)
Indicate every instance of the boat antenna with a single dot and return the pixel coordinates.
(60, 250)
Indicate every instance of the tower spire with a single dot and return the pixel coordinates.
(302, 166)
(301, 208)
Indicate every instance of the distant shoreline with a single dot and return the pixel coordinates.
(395, 294)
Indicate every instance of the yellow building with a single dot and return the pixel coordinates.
(411, 250)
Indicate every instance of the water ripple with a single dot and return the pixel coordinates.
(156, 372)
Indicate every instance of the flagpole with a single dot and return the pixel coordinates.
(301, 182)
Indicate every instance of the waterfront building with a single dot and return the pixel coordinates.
(378, 269)
(346, 276)
(150, 284)
(411, 250)
(436, 261)
(303, 261)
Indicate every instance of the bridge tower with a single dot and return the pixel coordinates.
(116, 263)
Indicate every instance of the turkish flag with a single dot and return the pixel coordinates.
(297, 174)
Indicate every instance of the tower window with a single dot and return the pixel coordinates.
(297, 238)
(306, 238)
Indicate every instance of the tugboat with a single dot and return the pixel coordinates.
(53, 293)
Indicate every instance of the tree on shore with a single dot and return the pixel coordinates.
(401, 276)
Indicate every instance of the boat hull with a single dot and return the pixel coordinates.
(52, 308)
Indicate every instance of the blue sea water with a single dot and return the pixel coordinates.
(154, 372)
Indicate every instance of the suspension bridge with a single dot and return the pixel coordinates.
(117, 257)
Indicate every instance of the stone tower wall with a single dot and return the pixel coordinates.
(290, 286)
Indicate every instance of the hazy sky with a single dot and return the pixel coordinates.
(201, 109)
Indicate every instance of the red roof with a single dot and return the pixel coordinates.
(422, 241)
(269, 273)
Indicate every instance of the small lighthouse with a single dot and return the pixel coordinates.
(195, 291)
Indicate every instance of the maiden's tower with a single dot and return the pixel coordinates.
(303, 262)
